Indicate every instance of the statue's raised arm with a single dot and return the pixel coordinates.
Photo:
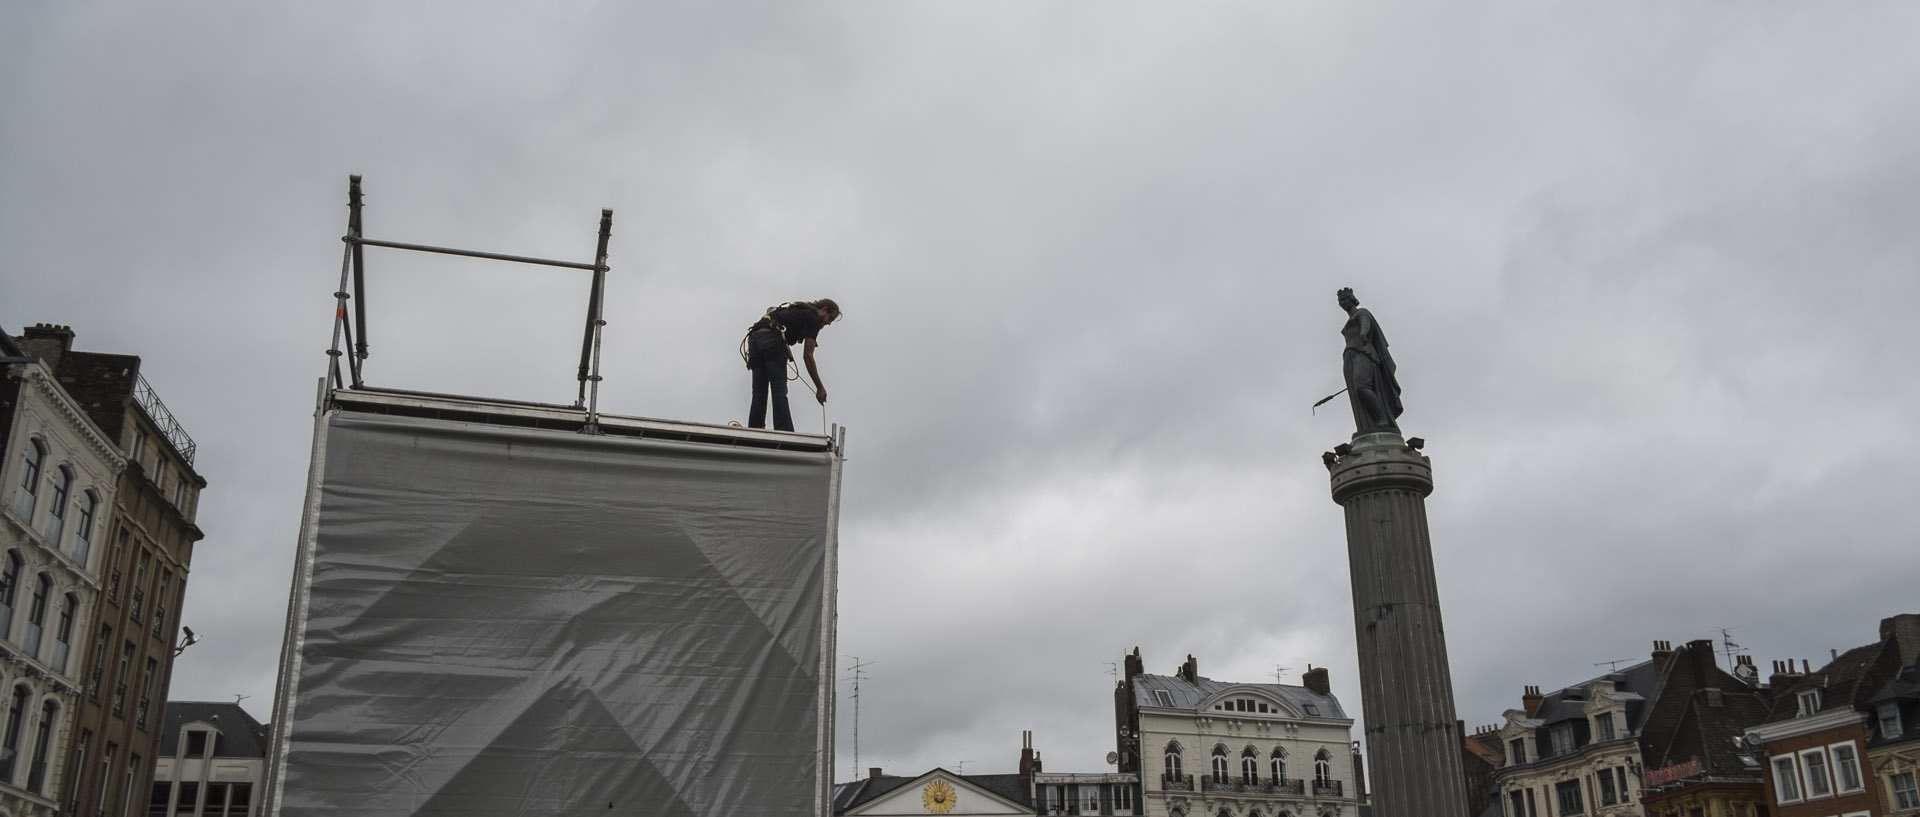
(1372, 388)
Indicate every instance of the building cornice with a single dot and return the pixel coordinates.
(1795, 727)
(44, 382)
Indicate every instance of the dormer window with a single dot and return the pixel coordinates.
(1517, 748)
(1889, 713)
(1561, 735)
(197, 743)
(1809, 703)
(1603, 726)
(1164, 697)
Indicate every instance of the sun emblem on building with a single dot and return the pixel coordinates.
(938, 797)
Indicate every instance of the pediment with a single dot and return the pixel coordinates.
(968, 800)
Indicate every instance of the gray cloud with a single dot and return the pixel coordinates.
(1647, 271)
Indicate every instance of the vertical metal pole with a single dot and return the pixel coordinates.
(359, 274)
(590, 345)
(340, 317)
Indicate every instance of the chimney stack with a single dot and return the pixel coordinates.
(1783, 676)
(873, 771)
(1026, 753)
(1662, 653)
(1190, 670)
(1904, 631)
(1316, 680)
(1530, 699)
(47, 341)
(1135, 664)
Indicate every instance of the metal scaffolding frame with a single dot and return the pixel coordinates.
(353, 272)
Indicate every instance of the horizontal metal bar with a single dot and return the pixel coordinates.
(468, 253)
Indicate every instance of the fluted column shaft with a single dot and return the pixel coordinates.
(1406, 687)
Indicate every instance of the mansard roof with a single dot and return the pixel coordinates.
(240, 734)
(1190, 695)
(1635, 684)
(1844, 683)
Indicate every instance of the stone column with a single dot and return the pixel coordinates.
(1406, 688)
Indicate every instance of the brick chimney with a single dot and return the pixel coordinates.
(873, 771)
(1026, 753)
(1662, 653)
(1135, 664)
(47, 341)
(1316, 680)
(1700, 660)
(1904, 631)
(1190, 670)
(1530, 699)
(1783, 676)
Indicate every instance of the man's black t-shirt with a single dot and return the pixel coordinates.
(801, 321)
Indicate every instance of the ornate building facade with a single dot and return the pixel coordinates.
(124, 637)
(61, 475)
(1207, 748)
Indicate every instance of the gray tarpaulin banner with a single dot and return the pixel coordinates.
(510, 621)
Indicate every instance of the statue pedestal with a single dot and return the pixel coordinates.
(1413, 739)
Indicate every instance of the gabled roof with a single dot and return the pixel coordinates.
(240, 734)
(859, 793)
(1186, 695)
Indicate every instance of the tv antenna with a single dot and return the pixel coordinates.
(962, 767)
(859, 674)
(1614, 665)
(1113, 670)
(1279, 671)
(1728, 648)
(237, 698)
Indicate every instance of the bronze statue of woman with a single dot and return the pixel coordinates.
(1371, 387)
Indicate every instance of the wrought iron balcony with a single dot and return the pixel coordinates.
(1326, 788)
(1176, 782)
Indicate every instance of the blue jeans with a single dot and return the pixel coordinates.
(767, 357)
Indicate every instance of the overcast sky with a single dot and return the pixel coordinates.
(1649, 270)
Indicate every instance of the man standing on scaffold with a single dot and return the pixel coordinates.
(766, 353)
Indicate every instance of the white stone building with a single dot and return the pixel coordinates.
(212, 762)
(57, 488)
(1207, 748)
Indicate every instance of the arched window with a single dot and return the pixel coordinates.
(1279, 764)
(9, 590)
(1176, 812)
(1322, 768)
(1249, 766)
(1173, 760)
(1220, 763)
(10, 739)
(1224, 812)
(83, 527)
(63, 635)
(37, 615)
(57, 505)
(23, 500)
(37, 773)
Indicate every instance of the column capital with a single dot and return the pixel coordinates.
(1377, 462)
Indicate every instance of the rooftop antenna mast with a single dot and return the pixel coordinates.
(1280, 672)
(1614, 665)
(1729, 649)
(859, 674)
